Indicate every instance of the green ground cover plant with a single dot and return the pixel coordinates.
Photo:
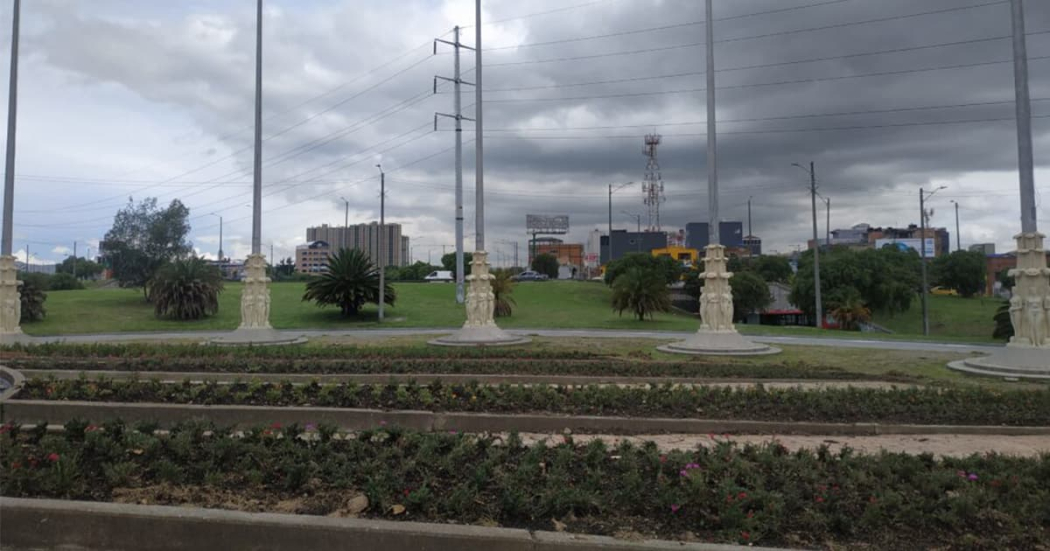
(967, 406)
(763, 495)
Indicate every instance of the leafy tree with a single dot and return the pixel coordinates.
(448, 262)
(350, 282)
(669, 268)
(1004, 328)
(65, 282)
(750, 291)
(547, 264)
(414, 272)
(642, 291)
(284, 269)
(887, 278)
(750, 294)
(186, 289)
(502, 287)
(33, 297)
(85, 268)
(773, 269)
(963, 271)
(847, 307)
(144, 238)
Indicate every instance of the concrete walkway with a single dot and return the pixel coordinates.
(200, 336)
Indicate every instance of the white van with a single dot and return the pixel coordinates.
(440, 276)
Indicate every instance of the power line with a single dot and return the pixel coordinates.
(760, 84)
(539, 13)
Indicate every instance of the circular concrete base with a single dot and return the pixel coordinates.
(479, 336)
(255, 337)
(7, 339)
(1012, 362)
(718, 343)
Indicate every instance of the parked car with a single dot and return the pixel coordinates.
(530, 275)
(944, 291)
(440, 276)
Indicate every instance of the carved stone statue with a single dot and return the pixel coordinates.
(1035, 321)
(1017, 319)
(255, 300)
(10, 298)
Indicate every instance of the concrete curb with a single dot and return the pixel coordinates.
(446, 378)
(14, 380)
(55, 524)
(56, 412)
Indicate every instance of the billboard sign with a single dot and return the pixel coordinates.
(913, 244)
(547, 224)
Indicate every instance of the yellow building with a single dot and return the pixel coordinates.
(688, 257)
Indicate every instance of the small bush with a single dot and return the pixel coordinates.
(33, 297)
(65, 282)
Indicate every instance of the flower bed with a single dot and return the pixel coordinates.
(955, 406)
(762, 495)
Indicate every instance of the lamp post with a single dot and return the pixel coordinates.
(958, 235)
(346, 223)
(613, 189)
(382, 231)
(10, 301)
(923, 197)
(220, 236)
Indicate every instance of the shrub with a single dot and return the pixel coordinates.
(502, 287)
(33, 297)
(643, 292)
(668, 268)
(65, 282)
(1004, 328)
(350, 282)
(186, 289)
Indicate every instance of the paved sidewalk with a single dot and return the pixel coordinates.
(577, 333)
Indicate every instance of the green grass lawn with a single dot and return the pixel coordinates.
(540, 305)
(950, 317)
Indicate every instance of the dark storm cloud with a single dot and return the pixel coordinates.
(875, 138)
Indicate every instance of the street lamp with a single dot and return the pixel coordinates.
(220, 235)
(382, 253)
(923, 196)
(612, 189)
(816, 244)
(346, 223)
(958, 235)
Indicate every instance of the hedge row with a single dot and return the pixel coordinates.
(897, 405)
(478, 366)
(761, 495)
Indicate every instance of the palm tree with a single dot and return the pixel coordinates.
(350, 282)
(849, 310)
(502, 287)
(642, 291)
(186, 289)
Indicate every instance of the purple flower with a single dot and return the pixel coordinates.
(972, 477)
(675, 508)
(311, 427)
(683, 472)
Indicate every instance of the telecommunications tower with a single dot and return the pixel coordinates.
(653, 186)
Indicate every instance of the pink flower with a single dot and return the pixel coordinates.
(972, 477)
(275, 426)
(820, 499)
(745, 535)
(53, 457)
(663, 459)
(675, 508)
(310, 427)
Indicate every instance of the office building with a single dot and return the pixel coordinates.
(364, 237)
(624, 242)
(730, 235)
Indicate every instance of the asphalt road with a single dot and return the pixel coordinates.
(920, 346)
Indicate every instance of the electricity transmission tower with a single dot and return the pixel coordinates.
(459, 118)
(653, 186)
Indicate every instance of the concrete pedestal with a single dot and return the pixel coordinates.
(717, 335)
(255, 329)
(480, 328)
(1027, 356)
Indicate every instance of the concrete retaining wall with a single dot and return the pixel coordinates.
(54, 412)
(54, 524)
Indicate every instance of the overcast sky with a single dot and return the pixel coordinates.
(153, 98)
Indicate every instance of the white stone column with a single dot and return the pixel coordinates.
(480, 328)
(1028, 353)
(255, 299)
(717, 334)
(10, 300)
(255, 328)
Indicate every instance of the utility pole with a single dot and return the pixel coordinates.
(923, 196)
(459, 118)
(74, 259)
(827, 228)
(750, 236)
(382, 230)
(613, 189)
(958, 236)
(220, 235)
(346, 223)
(257, 172)
(479, 150)
(12, 116)
(816, 242)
